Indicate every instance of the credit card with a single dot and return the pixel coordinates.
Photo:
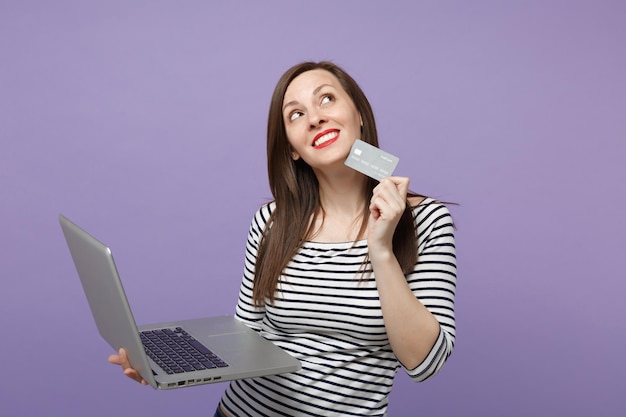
(371, 161)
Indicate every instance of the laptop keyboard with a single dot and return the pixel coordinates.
(176, 351)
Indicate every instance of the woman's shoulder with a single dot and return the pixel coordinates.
(267, 208)
(425, 207)
(262, 215)
(416, 200)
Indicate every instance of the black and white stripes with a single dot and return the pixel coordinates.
(327, 314)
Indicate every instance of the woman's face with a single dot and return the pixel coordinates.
(321, 120)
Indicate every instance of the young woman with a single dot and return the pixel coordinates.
(354, 277)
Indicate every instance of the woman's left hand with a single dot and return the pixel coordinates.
(386, 207)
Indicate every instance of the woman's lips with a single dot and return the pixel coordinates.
(325, 138)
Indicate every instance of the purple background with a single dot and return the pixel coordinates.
(145, 123)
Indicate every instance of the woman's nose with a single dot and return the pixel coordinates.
(316, 119)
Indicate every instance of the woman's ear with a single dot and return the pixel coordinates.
(294, 155)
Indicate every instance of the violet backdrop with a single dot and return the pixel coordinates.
(144, 121)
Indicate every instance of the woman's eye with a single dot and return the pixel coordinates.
(293, 116)
(327, 99)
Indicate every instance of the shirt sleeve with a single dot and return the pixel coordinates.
(433, 281)
(246, 311)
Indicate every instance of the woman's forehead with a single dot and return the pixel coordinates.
(308, 81)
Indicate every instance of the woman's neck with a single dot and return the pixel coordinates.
(342, 201)
(342, 195)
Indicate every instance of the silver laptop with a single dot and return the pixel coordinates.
(175, 354)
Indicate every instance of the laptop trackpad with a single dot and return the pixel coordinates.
(235, 342)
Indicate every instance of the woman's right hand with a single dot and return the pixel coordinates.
(122, 360)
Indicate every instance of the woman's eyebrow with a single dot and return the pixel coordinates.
(291, 103)
(317, 90)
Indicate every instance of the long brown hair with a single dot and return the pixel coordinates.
(296, 190)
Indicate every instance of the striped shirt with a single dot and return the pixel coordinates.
(328, 315)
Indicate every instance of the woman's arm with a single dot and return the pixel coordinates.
(418, 309)
(246, 311)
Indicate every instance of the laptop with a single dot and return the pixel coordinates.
(205, 350)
